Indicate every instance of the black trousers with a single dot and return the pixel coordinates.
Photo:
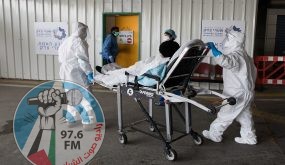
(107, 61)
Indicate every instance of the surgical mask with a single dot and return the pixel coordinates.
(226, 46)
(225, 42)
(230, 45)
(83, 34)
(165, 38)
(116, 34)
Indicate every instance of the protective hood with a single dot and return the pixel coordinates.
(233, 41)
(80, 30)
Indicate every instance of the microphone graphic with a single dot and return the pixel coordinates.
(72, 97)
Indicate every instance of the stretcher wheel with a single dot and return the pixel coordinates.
(197, 139)
(123, 138)
(171, 154)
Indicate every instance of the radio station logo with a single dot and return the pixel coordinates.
(59, 123)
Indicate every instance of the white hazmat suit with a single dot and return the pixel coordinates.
(239, 74)
(73, 57)
(74, 66)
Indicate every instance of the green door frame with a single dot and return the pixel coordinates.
(122, 14)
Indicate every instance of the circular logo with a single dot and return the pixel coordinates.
(59, 122)
(130, 91)
(59, 33)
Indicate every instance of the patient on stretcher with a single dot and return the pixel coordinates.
(156, 66)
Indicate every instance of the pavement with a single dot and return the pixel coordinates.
(268, 114)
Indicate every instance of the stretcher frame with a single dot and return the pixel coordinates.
(165, 88)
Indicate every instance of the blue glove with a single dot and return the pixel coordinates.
(215, 51)
(90, 77)
(111, 59)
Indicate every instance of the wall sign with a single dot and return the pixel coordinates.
(49, 36)
(126, 37)
(214, 30)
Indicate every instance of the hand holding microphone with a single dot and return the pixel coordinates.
(72, 97)
(50, 102)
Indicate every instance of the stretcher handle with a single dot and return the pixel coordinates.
(213, 109)
(230, 101)
(136, 84)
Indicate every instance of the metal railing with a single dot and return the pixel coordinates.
(270, 69)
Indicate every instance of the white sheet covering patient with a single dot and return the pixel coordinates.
(155, 65)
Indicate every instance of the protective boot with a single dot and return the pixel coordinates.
(245, 141)
(208, 135)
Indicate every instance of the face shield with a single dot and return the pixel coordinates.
(225, 42)
(234, 40)
(81, 30)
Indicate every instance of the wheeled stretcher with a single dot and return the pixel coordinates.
(177, 78)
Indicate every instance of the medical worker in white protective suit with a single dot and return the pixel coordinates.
(74, 59)
(74, 66)
(239, 74)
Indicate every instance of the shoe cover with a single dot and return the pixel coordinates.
(207, 135)
(245, 141)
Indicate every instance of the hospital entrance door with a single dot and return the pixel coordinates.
(128, 40)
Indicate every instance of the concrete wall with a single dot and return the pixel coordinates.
(17, 17)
